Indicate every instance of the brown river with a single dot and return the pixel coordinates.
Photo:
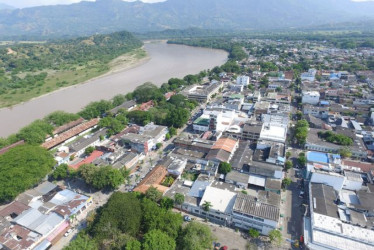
(166, 61)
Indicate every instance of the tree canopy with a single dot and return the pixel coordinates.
(224, 168)
(115, 215)
(146, 92)
(59, 118)
(156, 239)
(101, 177)
(21, 168)
(195, 236)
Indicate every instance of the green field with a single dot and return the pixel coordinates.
(57, 79)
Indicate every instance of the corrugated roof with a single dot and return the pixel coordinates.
(70, 133)
(249, 205)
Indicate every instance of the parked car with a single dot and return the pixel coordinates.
(68, 232)
(187, 218)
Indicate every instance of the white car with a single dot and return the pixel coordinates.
(68, 232)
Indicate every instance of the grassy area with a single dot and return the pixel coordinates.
(74, 75)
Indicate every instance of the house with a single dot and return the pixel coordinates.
(79, 146)
(138, 143)
(146, 105)
(223, 150)
(310, 97)
(93, 156)
(309, 76)
(127, 106)
(128, 161)
(157, 132)
(242, 80)
(39, 217)
(153, 179)
(316, 111)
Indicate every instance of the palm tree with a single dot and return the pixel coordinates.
(206, 207)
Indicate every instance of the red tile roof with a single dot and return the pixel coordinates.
(68, 126)
(365, 167)
(95, 154)
(226, 144)
(70, 133)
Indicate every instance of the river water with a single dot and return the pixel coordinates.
(166, 61)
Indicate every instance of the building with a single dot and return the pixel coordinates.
(310, 97)
(251, 132)
(223, 150)
(129, 161)
(153, 179)
(127, 106)
(309, 76)
(39, 217)
(316, 111)
(219, 119)
(138, 143)
(222, 202)
(315, 143)
(79, 146)
(273, 131)
(242, 80)
(157, 132)
(70, 134)
(196, 144)
(260, 213)
(202, 93)
(339, 220)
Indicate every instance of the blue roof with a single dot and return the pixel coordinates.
(198, 188)
(325, 102)
(335, 156)
(317, 157)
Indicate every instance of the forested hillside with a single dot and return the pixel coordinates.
(31, 69)
(106, 16)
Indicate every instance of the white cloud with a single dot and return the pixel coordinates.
(31, 3)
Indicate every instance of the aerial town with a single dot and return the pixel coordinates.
(283, 143)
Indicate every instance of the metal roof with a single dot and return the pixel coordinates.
(249, 205)
(198, 188)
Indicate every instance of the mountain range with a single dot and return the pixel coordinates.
(4, 6)
(104, 16)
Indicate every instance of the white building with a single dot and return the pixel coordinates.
(273, 132)
(218, 119)
(309, 76)
(250, 212)
(222, 202)
(242, 80)
(311, 97)
(342, 225)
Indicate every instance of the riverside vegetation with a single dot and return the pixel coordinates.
(28, 70)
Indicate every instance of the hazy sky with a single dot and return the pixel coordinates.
(30, 3)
